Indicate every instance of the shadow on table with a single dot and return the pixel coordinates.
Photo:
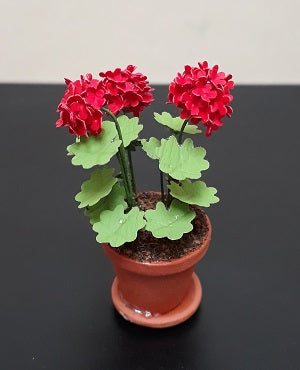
(171, 348)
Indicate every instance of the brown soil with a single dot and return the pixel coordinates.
(147, 248)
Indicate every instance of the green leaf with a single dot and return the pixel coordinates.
(175, 123)
(96, 188)
(129, 128)
(110, 202)
(116, 228)
(171, 223)
(151, 146)
(96, 150)
(194, 193)
(181, 161)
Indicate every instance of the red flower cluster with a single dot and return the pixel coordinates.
(203, 94)
(125, 90)
(81, 118)
(120, 90)
(79, 108)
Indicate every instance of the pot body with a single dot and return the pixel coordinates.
(155, 288)
(153, 294)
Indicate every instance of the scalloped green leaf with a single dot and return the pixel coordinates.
(116, 228)
(96, 150)
(181, 161)
(194, 193)
(175, 123)
(151, 146)
(171, 223)
(130, 129)
(110, 202)
(97, 187)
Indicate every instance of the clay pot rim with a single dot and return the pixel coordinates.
(164, 267)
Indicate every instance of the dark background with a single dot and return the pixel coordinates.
(56, 311)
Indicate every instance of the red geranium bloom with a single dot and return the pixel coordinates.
(125, 90)
(88, 87)
(80, 106)
(202, 94)
(82, 119)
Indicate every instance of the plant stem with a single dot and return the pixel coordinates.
(162, 186)
(122, 160)
(169, 196)
(181, 131)
(131, 170)
(123, 175)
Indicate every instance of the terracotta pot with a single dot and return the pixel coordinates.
(158, 294)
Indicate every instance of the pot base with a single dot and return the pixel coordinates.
(179, 314)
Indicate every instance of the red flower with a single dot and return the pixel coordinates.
(120, 90)
(81, 118)
(125, 90)
(202, 94)
(80, 106)
(87, 87)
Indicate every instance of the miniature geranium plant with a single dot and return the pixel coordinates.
(104, 115)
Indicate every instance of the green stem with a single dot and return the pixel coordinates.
(131, 170)
(169, 196)
(122, 159)
(181, 131)
(123, 175)
(162, 186)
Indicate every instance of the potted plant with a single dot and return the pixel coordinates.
(154, 239)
